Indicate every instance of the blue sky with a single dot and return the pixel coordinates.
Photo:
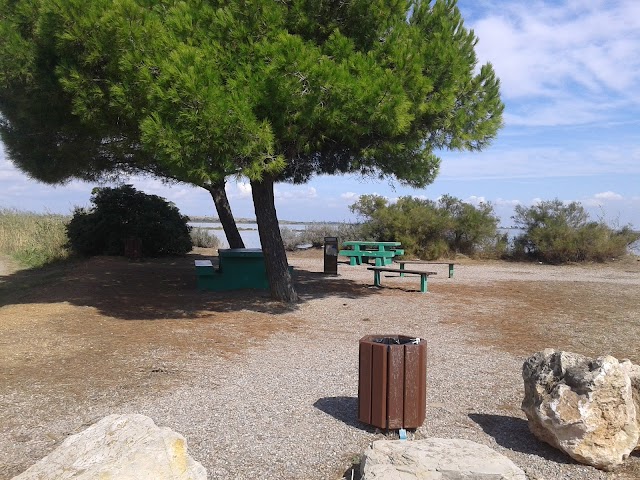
(570, 73)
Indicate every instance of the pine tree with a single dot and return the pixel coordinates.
(271, 91)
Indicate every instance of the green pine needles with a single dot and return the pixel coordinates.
(258, 88)
(199, 91)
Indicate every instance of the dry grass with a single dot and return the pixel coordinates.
(524, 317)
(33, 239)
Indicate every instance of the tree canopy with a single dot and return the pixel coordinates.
(272, 91)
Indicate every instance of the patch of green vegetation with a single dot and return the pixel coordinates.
(200, 237)
(33, 239)
(123, 214)
(432, 229)
(556, 232)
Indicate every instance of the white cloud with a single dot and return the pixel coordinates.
(7, 170)
(244, 188)
(294, 193)
(565, 55)
(608, 196)
(241, 190)
(349, 196)
(507, 203)
(475, 200)
(603, 198)
(540, 162)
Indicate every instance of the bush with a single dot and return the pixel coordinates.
(429, 229)
(290, 238)
(314, 234)
(122, 213)
(555, 232)
(202, 237)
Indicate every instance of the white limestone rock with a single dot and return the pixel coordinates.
(119, 447)
(634, 376)
(582, 406)
(436, 459)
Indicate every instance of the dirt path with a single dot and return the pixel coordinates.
(7, 266)
(83, 340)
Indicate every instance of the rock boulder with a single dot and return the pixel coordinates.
(583, 406)
(436, 459)
(119, 447)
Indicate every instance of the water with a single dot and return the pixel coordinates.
(248, 232)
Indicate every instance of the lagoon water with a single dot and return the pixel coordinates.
(248, 232)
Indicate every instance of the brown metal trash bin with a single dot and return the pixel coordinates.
(392, 383)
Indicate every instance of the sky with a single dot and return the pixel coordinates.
(570, 81)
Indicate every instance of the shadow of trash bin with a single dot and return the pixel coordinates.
(392, 381)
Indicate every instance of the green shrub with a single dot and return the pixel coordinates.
(429, 229)
(121, 213)
(33, 239)
(555, 232)
(290, 238)
(314, 234)
(202, 237)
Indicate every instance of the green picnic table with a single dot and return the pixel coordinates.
(360, 252)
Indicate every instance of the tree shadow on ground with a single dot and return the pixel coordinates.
(344, 409)
(155, 289)
(513, 433)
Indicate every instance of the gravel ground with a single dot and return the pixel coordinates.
(287, 409)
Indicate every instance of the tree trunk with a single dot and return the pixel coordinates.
(275, 257)
(225, 216)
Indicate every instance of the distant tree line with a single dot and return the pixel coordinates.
(552, 231)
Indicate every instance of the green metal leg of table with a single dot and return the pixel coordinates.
(423, 283)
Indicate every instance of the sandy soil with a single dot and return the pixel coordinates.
(84, 338)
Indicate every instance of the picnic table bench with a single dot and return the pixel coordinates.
(402, 263)
(238, 268)
(362, 251)
(423, 275)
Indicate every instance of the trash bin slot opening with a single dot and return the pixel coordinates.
(396, 340)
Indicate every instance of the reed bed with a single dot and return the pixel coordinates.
(33, 239)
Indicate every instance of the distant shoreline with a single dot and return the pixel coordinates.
(253, 220)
